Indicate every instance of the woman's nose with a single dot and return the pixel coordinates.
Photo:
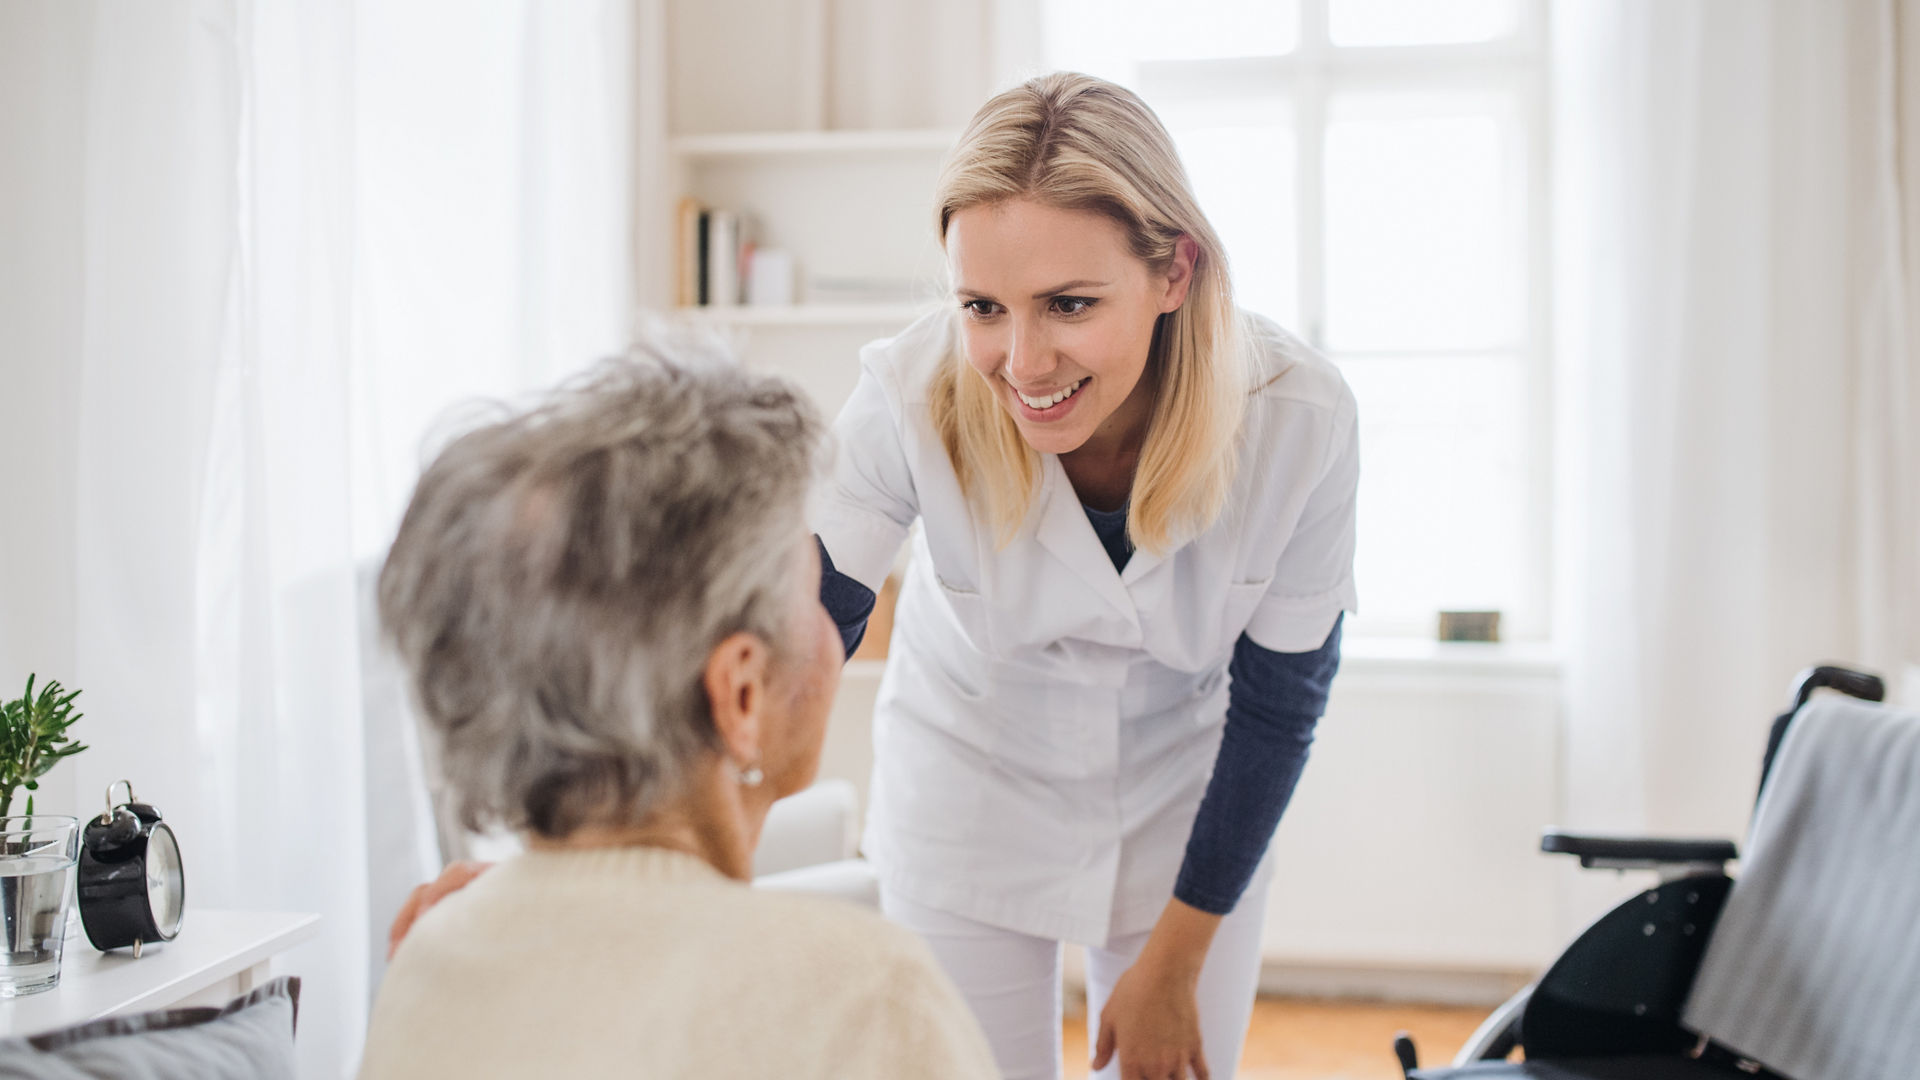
(1028, 361)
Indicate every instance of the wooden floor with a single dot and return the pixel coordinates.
(1298, 1039)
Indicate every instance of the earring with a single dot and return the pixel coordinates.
(751, 776)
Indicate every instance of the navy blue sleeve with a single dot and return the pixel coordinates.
(849, 602)
(1273, 704)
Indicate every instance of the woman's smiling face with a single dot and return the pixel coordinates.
(1057, 315)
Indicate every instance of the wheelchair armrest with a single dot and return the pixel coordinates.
(1636, 852)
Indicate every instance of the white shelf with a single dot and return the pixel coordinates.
(782, 143)
(881, 315)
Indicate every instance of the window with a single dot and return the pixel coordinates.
(1376, 171)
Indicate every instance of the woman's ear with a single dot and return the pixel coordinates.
(736, 685)
(1186, 255)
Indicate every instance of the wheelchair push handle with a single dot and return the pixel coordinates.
(1859, 684)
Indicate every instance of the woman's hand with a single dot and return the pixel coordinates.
(1152, 1017)
(455, 877)
(1152, 1021)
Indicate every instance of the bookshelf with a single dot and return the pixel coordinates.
(850, 211)
(822, 124)
(825, 122)
(879, 316)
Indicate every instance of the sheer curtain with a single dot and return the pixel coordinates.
(493, 255)
(1739, 411)
(212, 598)
(269, 244)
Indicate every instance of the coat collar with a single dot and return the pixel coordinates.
(1064, 530)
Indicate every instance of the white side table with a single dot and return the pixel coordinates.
(218, 956)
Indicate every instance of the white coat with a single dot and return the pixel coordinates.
(1046, 726)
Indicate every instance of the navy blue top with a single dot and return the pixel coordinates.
(1274, 701)
(1111, 527)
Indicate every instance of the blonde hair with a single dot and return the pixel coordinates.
(1074, 142)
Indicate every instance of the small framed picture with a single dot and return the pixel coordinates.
(1469, 626)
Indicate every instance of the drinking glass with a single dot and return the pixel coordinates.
(38, 853)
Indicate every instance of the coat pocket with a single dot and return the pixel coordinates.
(967, 609)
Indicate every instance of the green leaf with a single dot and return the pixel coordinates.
(35, 735)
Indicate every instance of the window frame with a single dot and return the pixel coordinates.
(1309, 78)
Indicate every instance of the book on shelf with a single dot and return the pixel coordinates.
(723, 259)
(686, 261)
(715, 254)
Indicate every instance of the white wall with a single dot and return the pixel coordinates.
(749, 65)
(1413, 839)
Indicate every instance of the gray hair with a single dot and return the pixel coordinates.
(562, 575)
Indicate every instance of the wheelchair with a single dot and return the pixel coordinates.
(1624, 1001)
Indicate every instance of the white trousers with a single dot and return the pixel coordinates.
(1012, 982)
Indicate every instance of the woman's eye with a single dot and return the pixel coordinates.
(979, 309)
(1072, 305)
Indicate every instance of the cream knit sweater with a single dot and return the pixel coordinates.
(642, 962)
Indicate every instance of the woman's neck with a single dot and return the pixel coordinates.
(714, 819)
(1101, 469)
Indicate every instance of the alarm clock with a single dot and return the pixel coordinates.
(132, 888)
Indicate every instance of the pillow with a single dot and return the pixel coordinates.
(250, 1038)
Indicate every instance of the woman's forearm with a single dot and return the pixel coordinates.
(1275, 702)
(1177, 947)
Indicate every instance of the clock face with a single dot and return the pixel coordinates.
(166, 884)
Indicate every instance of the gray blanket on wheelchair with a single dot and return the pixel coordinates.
(1814, 968)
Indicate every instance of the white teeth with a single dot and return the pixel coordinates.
(1045, 403)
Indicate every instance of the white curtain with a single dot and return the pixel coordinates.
(260, 247)
(494, 234)
(1739, 397)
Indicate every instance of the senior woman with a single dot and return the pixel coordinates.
(609, 609)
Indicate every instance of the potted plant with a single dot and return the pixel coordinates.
(33, 739)
(37, 851)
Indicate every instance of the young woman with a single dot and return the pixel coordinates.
(1122, 614)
